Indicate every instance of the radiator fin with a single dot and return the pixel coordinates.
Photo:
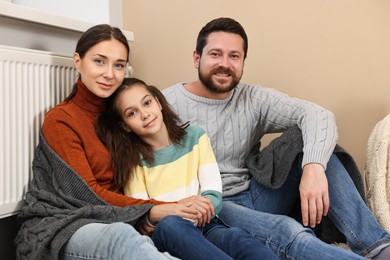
(31, 82)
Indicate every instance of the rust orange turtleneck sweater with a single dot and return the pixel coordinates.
(69, 129)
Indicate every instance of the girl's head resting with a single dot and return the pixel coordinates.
(126, 142)
(140, 110)
(136, 106)
(101, 58)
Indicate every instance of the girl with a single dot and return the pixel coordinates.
(156, 157)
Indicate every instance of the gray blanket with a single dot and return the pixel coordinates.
(58, 203)
(271, 166)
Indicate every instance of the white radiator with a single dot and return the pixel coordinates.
(31, 82)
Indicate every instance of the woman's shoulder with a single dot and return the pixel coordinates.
(61, 111)
(60, 114)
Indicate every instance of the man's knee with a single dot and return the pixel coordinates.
(235, 234)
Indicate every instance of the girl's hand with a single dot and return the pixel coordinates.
(157, 212)
(202, 205)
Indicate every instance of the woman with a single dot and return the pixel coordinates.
(72, 210)
(155, 156)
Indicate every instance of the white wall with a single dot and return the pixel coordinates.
(92, 11)
(50, 26)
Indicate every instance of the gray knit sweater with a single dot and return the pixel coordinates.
(58, 203)
(236, 124)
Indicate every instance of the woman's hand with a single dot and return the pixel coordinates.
(145, 229)
(157, 212)
(197, 209)
(202, 205)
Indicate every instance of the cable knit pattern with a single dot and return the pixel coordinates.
(377, 172)
(236, 124)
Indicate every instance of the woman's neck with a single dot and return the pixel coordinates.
(88, 101)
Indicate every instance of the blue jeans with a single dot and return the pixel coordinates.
(215, 241)
(110, 241)
(287, 237)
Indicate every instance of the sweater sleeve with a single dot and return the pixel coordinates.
(277, 112)
(209, 175)
(216, 199)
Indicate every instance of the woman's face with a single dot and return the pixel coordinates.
(103, 67)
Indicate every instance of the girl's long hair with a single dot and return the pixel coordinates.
(126, 148)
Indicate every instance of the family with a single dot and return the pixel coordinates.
(126, 171)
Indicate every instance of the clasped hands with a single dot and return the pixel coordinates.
(195, 208)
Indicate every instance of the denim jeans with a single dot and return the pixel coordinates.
(215, 241)
(261, 211)
(110, 241)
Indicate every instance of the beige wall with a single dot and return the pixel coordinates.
(335, 53)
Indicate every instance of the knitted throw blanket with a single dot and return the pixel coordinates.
(377, 172)
(271, 166)
(58, 203)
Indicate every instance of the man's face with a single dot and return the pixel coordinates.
(222, 62)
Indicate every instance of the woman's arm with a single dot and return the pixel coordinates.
(78, 145)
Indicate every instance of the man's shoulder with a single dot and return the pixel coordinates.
(171, 89)
(242, 86)
(255, 90)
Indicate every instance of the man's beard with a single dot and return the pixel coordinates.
(207, 80)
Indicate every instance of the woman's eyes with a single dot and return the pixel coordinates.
(99, 61)
(118, 65)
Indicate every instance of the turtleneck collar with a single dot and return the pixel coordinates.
(85, 99)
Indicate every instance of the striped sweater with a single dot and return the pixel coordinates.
(236, 124)
(179, 171)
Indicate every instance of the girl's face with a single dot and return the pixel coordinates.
(140, 111)
(103, 67)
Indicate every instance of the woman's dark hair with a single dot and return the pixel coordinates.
(93, 36)
(126, 148)
(222, 24)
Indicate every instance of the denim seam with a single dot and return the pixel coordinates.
(352, 234)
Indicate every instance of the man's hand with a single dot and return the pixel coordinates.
(314, 194)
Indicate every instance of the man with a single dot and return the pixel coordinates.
(235, 116)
